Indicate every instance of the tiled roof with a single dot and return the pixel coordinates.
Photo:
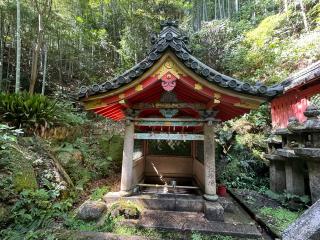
(170, 38)
(302, 77)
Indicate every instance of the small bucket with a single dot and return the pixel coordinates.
(222, 190)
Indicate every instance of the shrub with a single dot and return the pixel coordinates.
(28, 111)
(70, 115)
(243, 141)
(289, 200)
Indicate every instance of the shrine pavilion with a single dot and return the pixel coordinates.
(294, 151)
(172, 97)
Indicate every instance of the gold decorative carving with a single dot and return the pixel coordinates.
(139, 88)
(198, 86)
(216, 95)
(122, 96)
(171, 67)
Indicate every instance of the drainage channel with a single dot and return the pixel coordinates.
(268, 234)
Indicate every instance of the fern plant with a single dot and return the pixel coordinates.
(27, 111)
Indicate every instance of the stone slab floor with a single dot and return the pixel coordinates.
(236, 223)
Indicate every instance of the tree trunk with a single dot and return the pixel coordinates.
(304, 16)
(44, 71)
(204, 10)
(8, 69)
(1, 48)
(60, 60)
(215, 9)
(237, 6)
(35, 58)
(220, 10)
(18, 51)
(285, 2)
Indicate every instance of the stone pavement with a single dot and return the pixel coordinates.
(192, 221)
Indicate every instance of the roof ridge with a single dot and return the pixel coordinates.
(302, 76)
(171, 38)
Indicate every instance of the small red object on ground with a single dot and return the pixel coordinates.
(221, 190)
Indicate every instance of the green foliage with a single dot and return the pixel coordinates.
(18, 168)
(10, 234)
(243, 141)
(315, 100)
(163, 147)
(279, 218)
(126, 209)
(70, 222)
(93, 156)
(145, 232)
(8, 135)
(35, 209)
(289, 200)
(98, 193)
(30, 208)
(112, 148)
(70, 115)
(314, 15)
(243, 170)
(199, 236)
(27, 111)
(263, 33)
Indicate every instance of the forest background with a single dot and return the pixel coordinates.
(65, 44)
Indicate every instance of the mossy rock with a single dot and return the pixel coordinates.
(68, 154)
(24, 176)
(25, 179)
(126, 209)
(70, 157)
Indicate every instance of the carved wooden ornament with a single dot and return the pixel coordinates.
(168, 81)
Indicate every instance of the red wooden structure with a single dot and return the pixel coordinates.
(170, 67)
(171, 95)
(296, 95)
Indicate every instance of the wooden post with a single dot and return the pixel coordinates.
(127, 160)
(209, 163)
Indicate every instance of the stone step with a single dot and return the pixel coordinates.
(192, 221)
(191, 203)
(169, 202)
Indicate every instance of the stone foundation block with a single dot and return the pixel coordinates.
(189, 205)
(277, 176)
(294, 176)
(314, 179)
(227, 204)
(213, 211)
